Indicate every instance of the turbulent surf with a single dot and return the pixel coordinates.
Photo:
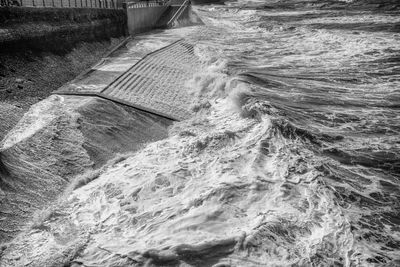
(292, 157)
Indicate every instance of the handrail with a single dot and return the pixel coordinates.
(110, 4)
(178, 12)
(104, 4)
(143, 4)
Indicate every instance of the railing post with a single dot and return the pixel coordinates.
(52, 2)
(69, 3)
(44, 3)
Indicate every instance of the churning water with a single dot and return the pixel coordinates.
(292, 159)
(324, 88)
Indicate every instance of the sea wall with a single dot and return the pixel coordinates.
(145, 18)
(57, 29)
(148, 18)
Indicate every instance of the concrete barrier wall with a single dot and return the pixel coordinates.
(148, 18)
(12, 15)
(143, 19)
(52, 29)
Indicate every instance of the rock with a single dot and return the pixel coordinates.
(19, 80)
(20, 86)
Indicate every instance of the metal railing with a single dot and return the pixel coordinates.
(178, 13)
(85, 3)
(110, 4)
(143, 4)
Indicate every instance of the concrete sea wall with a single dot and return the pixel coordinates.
(148, 18)
(143, 19)
(57, 29)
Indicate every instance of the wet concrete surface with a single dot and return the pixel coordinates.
(147, 72)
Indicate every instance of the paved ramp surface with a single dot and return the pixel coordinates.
(148, 73)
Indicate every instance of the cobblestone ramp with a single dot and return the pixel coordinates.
(156, 83)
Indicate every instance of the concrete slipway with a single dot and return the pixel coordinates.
(147, 72)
